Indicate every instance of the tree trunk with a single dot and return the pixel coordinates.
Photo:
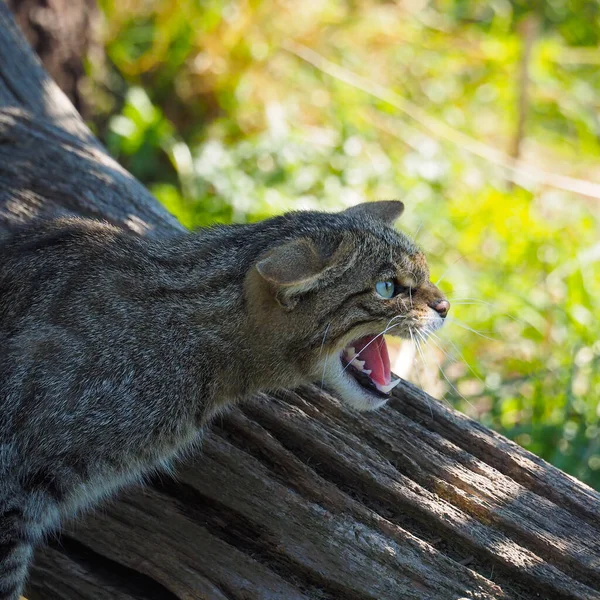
(293, 496)
(60, 31)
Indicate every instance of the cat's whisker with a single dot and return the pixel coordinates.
(469, 298)
(448, 380)
(420, 353)
(463, 289)
(394, 319)
(464, 326)
(459, 303)
(416, 234)
(460, 298)
(423, 360)
(321, 352)
(324, 337)
(466, 301)
(448, 268)
(324, 369)
(415, 343)
(457, 351)
(477, 301)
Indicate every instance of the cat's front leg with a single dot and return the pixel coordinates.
(16, 550)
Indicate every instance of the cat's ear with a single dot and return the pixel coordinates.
(384, 210)
(292, 268)
(294, 263)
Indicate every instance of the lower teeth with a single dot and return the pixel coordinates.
(359, 365)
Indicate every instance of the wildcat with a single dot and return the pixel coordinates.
(117, 350)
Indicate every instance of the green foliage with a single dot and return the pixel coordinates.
(202, 102)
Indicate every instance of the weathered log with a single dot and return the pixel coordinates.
(292, 496)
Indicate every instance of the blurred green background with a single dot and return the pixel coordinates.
(484, 117)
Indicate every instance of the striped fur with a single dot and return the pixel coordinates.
(116, 351)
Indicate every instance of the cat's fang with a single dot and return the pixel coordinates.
(386, 389)
(350, 353)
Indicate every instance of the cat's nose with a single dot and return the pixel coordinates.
(441, 307)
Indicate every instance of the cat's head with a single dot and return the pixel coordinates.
(328, 290)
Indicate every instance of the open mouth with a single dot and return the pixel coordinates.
(368, 362)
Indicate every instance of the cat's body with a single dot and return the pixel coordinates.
(116, 351)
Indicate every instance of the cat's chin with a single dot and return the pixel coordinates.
(349, 390)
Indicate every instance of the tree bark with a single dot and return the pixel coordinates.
(60, 32)
(292, 496)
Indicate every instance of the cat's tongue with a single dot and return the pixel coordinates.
(374, 352)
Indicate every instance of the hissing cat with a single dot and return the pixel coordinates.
(116, 351)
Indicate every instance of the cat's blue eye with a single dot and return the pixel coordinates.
(385, 289)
